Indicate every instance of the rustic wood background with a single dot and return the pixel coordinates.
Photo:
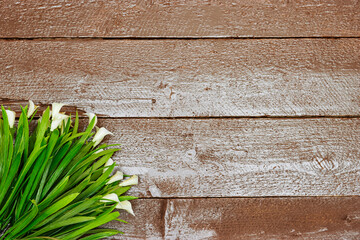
(242, 118)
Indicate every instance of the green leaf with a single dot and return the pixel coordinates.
(42, 128)
(65, 161)
(76, 124)
(105, 218)
(102, 233)
(62, 223)
(49, 211)
(52, 182)
(22, 223)
(100, 182)
(21, 178)
(71, 210)
(54, 193)
(121, 190)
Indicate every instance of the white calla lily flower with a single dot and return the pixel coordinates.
(134, 180)
(98, 151)
(91, 116)
(116, 177)
(107, 164)
(55, 110)
(126, 205)
(111, 197)
(31, 109)
(100, 134)
(11, 117)
(57, 121)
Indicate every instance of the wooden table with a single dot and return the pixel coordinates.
(242, 118)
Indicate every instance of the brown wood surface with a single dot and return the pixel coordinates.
(243, 218)
(195, 18)
(176, 78)
(239, 157)
(207, 122)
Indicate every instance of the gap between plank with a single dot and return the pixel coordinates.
(223, 117)
(219, 117)
(243, 197)
(169, 38)
(234, 117)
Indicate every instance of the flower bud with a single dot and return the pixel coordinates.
(31, 108)
(56, 109)
(116, 177)
(100, 134)
(11, 117)
(107, 164)
(130, 181)
(57, 121)
(91, 116)
(111, 197)
(126, 205)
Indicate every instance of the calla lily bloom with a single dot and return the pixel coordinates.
(107, 164)
(116, 177)
(100, 134)
(57, 121)
(91, 116)
(111, 197)
(56, 109)
(31, 109)
(130, 181)
(11, 117)
(98, 151)
(126, 205)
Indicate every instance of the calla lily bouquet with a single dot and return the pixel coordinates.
(57, 182)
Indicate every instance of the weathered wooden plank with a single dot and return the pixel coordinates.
(166, 78)
(239, 157)
(243, 218)
(15, 105)
(240, 18)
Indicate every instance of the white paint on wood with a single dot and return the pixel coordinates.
(239, 157)
(242, 218)
(177, 227)
(165, 78)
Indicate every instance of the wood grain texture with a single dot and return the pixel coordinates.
(166, 78)
(159, 18)
(239, 157)
(243, 218)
